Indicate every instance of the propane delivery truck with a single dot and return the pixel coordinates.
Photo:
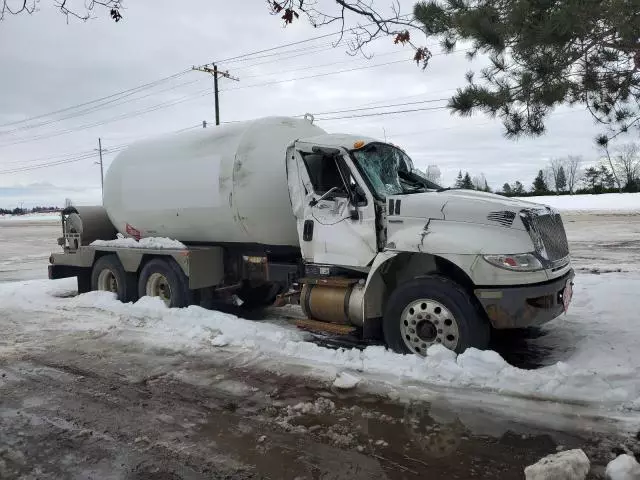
(275, 211)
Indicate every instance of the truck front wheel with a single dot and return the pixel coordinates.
(165, 279)
(109, 275)
(433, 310)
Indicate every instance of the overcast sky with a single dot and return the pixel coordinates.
(49, 65)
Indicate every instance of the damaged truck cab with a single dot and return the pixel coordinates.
(278, 211)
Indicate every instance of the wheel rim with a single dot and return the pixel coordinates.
(158, 286)
(427, 322)
(107, 281)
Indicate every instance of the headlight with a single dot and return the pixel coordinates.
(520, 262)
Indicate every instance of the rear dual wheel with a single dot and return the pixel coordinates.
(108, 275)
(159, 277)
(165, 279)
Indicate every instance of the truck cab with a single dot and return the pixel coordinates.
(436, 265)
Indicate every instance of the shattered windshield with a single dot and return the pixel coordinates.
(390, 171)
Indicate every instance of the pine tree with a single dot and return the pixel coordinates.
(458, 183)
(539, 185)
(606, 177)
(506, 189)
(561, 180)
(591, 178)
(467, 183)
(518, 188)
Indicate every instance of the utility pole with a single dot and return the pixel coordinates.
(216, 73)
(101, 167)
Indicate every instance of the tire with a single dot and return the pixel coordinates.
(431, 310)
(259, 297)
(165, 279)
(109, 275)
(84, 280)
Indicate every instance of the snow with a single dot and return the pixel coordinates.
(606, 202)
(345, 381)
(624, 467)
(31, 217)
(596, 365)
(148, 242)
(220, 341)
(568, 465)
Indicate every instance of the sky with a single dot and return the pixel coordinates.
(49, 64)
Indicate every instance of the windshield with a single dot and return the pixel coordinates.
(390, 171)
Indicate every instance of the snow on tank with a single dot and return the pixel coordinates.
(220, 184)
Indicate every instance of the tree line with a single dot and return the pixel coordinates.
(617, 171)
(24, 211)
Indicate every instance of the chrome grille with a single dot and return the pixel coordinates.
(554, 238)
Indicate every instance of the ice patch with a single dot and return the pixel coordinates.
(345, 381)
(148, 242)
(624, 467)
(569, 465)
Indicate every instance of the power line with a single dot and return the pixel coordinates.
(363, 67)
(379, 114)
(94, 108)
(117, 94)
(300, 42)
(382, 106)
(316, 66)
(118, 118)
(72, 158)
(318, 75)
(198, 94)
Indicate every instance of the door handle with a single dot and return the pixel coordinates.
(307, 231)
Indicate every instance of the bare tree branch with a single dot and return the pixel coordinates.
(626, 163)
(30, 6)
(573, 172)
(378, 25)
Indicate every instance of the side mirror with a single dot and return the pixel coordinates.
(359, 197)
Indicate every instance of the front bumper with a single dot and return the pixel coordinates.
(524, 306)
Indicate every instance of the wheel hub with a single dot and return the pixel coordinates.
(427, 322)
(107, 281)
(158, 286)
(427, 331)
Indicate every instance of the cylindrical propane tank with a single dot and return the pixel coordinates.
(214, 185)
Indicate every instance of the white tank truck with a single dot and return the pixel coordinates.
(276, 211)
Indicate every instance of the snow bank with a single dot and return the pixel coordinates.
(149, 242)
(624, 467)
(606, 202)
(597, 341)
(569, 465)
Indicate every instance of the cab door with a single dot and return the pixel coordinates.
(335, 212)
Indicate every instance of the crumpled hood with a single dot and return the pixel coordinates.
(467, 206)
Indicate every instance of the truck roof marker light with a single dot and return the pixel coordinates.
(358, 144)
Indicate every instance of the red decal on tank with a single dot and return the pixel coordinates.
(133, 232)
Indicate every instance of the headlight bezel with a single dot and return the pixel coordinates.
(516, 262)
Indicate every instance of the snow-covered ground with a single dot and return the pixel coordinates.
(31, 217)
(596, 362)
(606, 202)
(592, 368)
